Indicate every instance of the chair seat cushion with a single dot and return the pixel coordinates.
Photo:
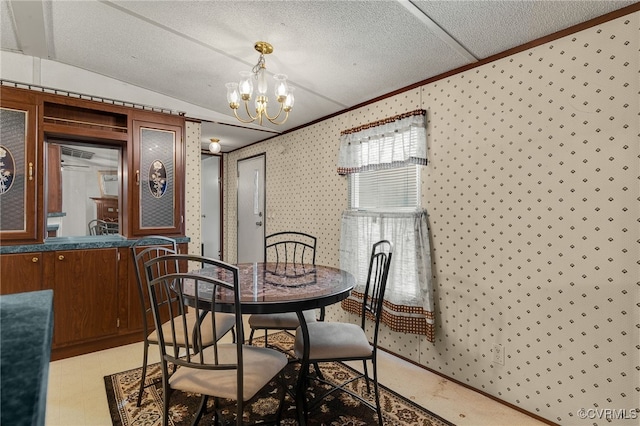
(260, 365)
(284, 321)
(333, 340)
(224, 323)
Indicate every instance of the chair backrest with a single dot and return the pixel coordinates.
(291, 248)
(97, 227)
(142, 251)
(372, 304)
(195, 288)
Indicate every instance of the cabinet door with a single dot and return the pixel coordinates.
(18, 172)
(20, 272)
(85, 295)
(158, 162)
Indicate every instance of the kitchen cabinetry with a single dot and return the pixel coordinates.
(106, 209)
(85, 288)
(96, 300)
(158, 190)
(54, 179)
(20, 170)
(150, 173)
(20, 272)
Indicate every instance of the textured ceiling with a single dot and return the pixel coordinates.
(337, 54)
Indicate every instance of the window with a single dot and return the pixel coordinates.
(383, 162)
(385, 189)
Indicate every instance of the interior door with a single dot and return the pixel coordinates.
(251, 209)
(210, 206)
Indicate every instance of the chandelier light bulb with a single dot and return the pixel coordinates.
(288, 102)
(281, 90)
(233, 96)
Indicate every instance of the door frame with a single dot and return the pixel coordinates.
(264, 200)
(220, 202)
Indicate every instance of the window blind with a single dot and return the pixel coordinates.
(395, 189)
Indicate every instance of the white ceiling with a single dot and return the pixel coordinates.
(337, 54)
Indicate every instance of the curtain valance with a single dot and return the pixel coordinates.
(393, 142)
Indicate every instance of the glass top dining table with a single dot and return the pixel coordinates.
(267, 288)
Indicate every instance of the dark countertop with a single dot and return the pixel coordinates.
(26, 329)
(77, 243)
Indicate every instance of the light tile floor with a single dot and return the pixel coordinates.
(76, 392)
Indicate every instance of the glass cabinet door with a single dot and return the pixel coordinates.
(18, 172)
(158, 162)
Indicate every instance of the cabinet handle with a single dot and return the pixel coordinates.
(138, 177)
(61, 257)
(30, 171)
(34, 259)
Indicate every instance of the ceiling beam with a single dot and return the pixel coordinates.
(30, 29)
(437, 30)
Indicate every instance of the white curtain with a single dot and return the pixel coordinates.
(409, 305)
(393, 142)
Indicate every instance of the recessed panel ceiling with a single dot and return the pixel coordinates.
(337, 54)
(7, 29)
(490, 27)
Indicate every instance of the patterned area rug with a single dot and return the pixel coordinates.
(339, 409)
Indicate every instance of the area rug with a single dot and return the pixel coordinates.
(340, 409)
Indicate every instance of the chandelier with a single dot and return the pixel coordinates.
(258, 78)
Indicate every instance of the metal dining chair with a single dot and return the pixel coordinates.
(97, 227)
(143, 250)
(290, 253)
(338, 341)
(223, 370)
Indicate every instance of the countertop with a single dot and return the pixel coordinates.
(77, 243)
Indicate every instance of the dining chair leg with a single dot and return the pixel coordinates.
(144, 372)
(366, 375)
(377, 393)
(250, 337)
(201, 409)
(300, 394)
(166, 390)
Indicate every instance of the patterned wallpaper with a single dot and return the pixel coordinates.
(192, 187)
(533, 196)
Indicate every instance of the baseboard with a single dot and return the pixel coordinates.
(505, 403)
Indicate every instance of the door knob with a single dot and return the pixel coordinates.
(259, 223)
(61, 257)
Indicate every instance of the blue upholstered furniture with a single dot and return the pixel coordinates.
(26, 329)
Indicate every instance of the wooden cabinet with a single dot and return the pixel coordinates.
(157, 197)
(106, 209)
(151, 168)
(96, 299)
(20, 272)
(20, 170)
(85, 287)
(54, 179)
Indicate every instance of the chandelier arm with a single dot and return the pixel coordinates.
(281, 122)
(246, 108)
(271, 119)
(235, 112)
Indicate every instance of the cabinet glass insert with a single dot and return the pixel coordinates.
(13, 169)
(157, 178)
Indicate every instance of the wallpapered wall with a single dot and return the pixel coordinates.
(532, 190)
